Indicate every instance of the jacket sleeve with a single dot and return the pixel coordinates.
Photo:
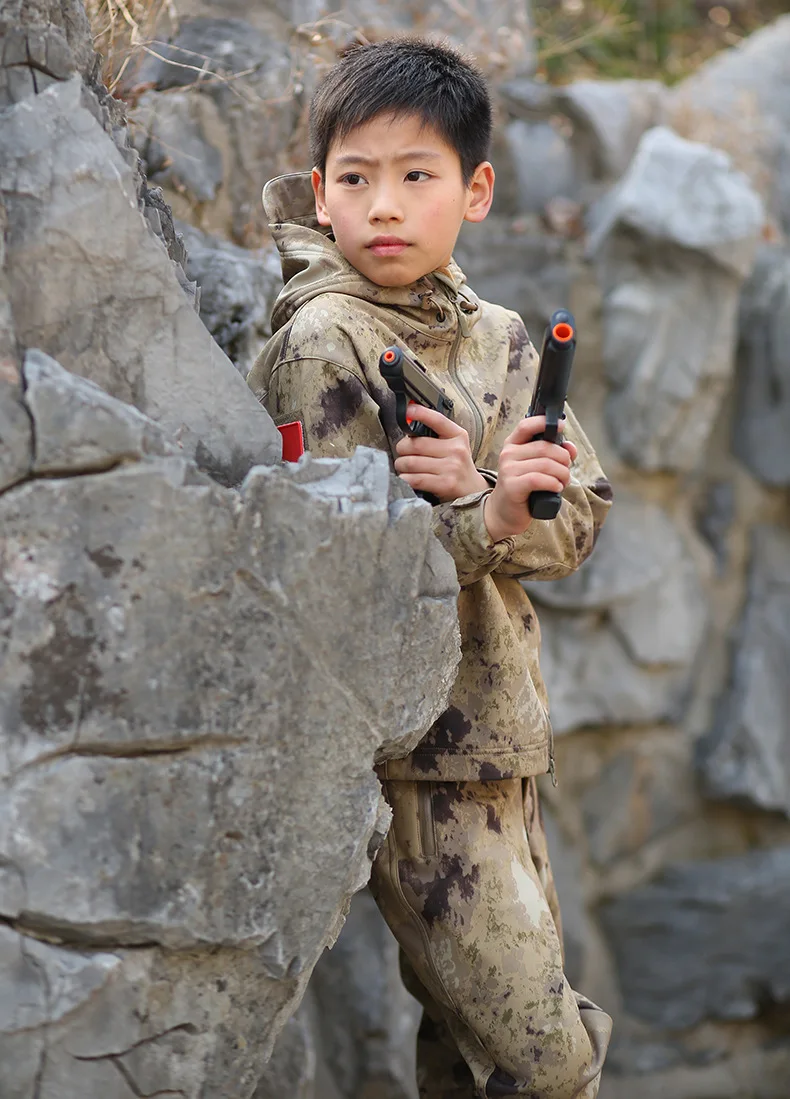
(340, 409)
(312, 374)
(550, 548)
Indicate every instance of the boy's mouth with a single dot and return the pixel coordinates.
(387, 246)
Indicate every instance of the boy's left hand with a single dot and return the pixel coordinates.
(442, 466)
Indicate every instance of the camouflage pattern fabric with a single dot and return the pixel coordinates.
(464, 882)
(330, 325)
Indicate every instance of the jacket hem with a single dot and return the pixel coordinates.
(457, 766)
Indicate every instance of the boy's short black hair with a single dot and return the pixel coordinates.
(407, 76)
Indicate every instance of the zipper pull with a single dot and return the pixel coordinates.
(553, 768)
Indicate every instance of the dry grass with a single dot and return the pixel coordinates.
(124, 31)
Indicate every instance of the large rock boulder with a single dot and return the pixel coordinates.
(740, 101)
(762, 400)
(746, 756)
(672, 243)
(621, 634)
(71, 205)
(194, 685)
(238, 288)
(708, 940)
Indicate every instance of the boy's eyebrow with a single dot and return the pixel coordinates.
(411, 154)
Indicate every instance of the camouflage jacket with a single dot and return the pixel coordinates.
(330, 325)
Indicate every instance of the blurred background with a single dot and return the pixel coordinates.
(642, 153)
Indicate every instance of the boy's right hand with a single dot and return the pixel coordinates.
(524, 467)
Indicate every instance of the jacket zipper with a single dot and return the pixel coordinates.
(477, 440)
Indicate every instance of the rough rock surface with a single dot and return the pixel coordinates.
(622, 633)
(706, 941)
(291, 1069)
(240, 107)
(71, 204)
(672, 241)
(238, 288)
(188, 729)
(746, 756)
(763, 381)
(740, 101)
(609, 118)
(367, 1020)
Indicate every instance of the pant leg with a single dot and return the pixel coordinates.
(457, 884)
(442, 1073)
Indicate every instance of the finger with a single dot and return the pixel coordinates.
(421, 444)
(539, 482)
(541, 465)
(571, 448)
(527, 428)
(418, 463)
(523, 452)
(444, 428)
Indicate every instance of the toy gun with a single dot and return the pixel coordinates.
(548, 398)
(409, 381)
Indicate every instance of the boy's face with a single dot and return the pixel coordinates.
(395, 198)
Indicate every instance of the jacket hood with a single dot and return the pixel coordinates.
(313, 264)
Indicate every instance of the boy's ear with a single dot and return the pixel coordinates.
(320, 198)
(481, 192)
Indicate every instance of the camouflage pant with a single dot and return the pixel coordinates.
(464, 882)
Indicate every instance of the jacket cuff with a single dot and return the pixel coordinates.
(460, 527)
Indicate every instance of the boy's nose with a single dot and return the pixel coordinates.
(385, 207)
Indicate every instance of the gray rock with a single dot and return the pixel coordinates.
(81, 1024)
(643, 575)
(740, 101)
(672, 243)
(517, 264)
(638, 549)
(638, 796)
(247, 71)
(187, 730)
(746, 756)
(16, 429)
(124, 323)
(78, 428)
(708, 940)
(609, 118)
(368, 1021)
(291, 1070)
(150, 614)
(209, 52)
(592, 679)
(715, 516)
(525, 144)
(763, 379)
(238, 289)
(175, 148)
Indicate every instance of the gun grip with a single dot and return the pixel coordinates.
(544, 505)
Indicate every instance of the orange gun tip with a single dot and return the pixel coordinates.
(562, 332)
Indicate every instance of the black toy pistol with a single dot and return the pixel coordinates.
(548, 398)
(409, 381)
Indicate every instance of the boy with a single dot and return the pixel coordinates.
(399, 138)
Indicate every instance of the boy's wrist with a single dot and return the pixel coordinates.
(501, 526)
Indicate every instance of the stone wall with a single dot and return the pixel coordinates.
(660, 217)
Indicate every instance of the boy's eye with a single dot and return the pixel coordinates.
(352, 177)
(417, 176)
